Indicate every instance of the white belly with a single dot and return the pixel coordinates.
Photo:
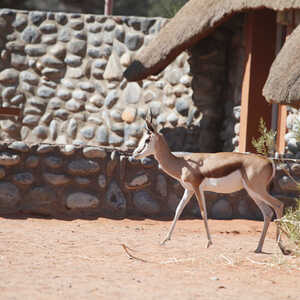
(225, 185)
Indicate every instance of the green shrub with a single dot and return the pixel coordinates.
(265, 144)
(165, 8)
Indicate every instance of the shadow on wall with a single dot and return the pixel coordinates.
(68, 182)
(194, 139)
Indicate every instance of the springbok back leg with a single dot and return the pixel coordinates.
(267, 214)
(202, 205)
(278, 208)
(263, 196)
(183, 202)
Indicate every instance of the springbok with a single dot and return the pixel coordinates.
(223, 172)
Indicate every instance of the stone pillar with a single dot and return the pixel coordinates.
(208, 67)
(229, 134)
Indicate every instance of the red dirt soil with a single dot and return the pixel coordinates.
(85, 259)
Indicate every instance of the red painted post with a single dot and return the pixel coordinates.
(108, 9)
(260, 52)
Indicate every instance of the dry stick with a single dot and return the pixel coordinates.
(171, 260)
(130, 256)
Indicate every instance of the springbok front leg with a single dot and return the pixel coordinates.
(183, 202)
(202, 205)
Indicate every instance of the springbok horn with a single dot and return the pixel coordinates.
(149, 123)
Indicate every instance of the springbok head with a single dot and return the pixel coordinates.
(146, 145)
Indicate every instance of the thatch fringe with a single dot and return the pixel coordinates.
(283, 83)
(195, 20)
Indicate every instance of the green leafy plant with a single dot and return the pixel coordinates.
(165, 8)
(173, 8)
(265, 143)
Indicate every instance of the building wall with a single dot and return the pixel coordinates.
(64, 155)
(293, 133)
(64, 71)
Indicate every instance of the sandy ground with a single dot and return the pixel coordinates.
(85, 259)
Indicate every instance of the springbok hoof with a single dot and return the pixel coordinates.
(164, 241)
(209, 243)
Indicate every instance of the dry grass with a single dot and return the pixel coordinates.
(289, 225)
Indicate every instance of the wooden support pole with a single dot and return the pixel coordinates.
(281, 128)
(282, 110)
(260, 41)
(108, 9)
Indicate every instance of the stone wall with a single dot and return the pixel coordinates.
(69, 181)
(292, 136)
(62, 181)
(64, 71)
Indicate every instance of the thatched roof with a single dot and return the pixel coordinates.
(193, 22)
(283, 83)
